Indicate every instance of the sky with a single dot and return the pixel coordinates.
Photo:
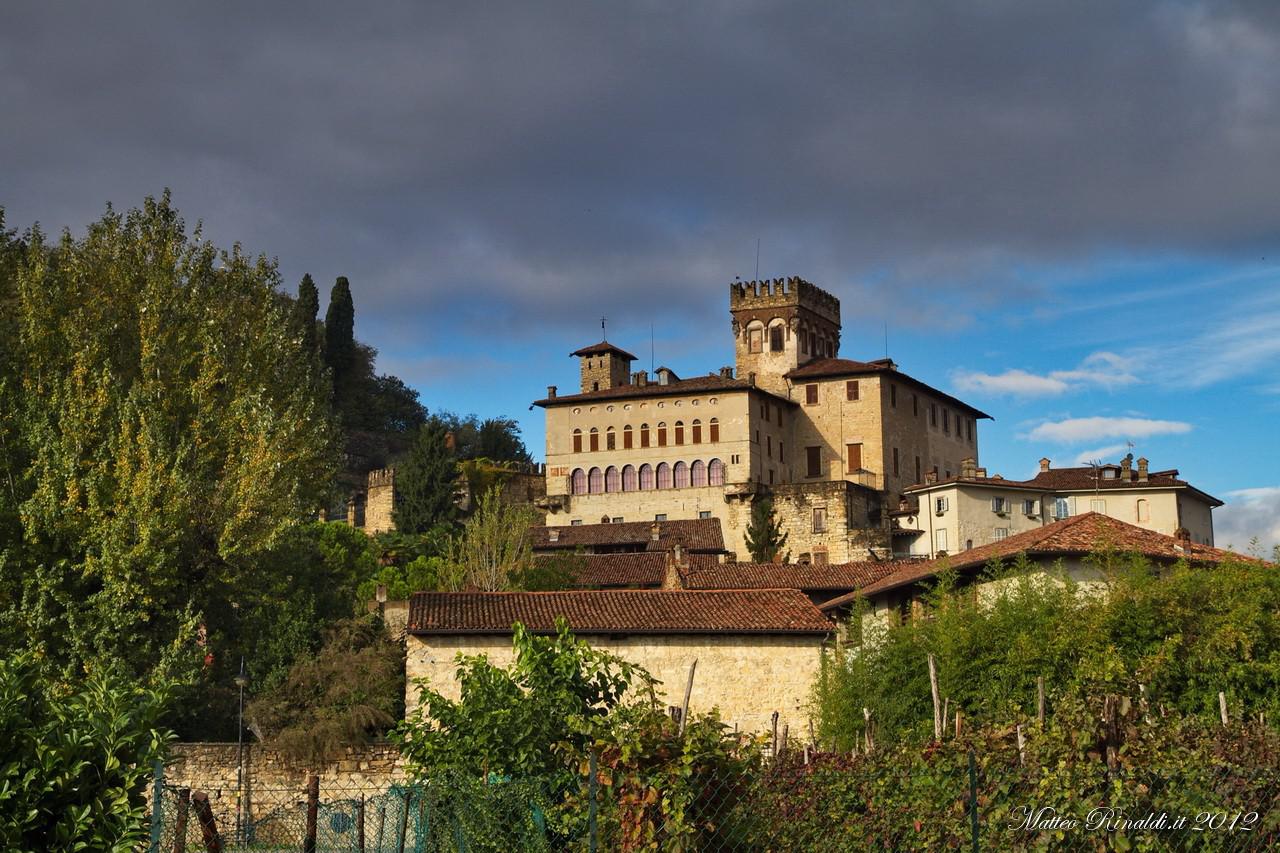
(1067, 214)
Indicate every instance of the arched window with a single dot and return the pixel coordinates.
(679, 432)
(612, 480)
(595, 481)
(1144, 510)
(578, 482)
(776, 332)
(629, 480)
(577, 441)
(662, 434)
(755, 336)
(644, 435)
(595, 439)
(610, 440)
(698, 473)
(646, 476)
(713, 429)
(626, 437)
(681, 475)
(664, 475)
(697, 432)
(715, 472)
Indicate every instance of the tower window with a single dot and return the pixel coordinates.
(644, 435)
(714, 429)
(915, 405)
(697, 432)
(851, 389)
(679, 432)
(775, 338)
(610, 439)
(626, 437)
(755, 340)
(811, 394)
(819, 519)
(577, 441)
(946, 422)
(893, 395)
(595, 439)
(813, 460)
(895, 462)
(662, 434)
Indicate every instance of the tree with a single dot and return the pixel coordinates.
(425, 482)
(306, 308)
(169, 432)
(494, 547)
(339, 330)
(765, 537)
(495, 439)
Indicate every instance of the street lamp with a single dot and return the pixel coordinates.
(242, 681)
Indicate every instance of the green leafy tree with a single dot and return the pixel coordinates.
(339, 331)
(495, 439)
(76, 761)
(764, 535)
(493, 551)
(426, 481)
(306, 309)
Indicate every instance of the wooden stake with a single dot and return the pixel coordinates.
(360, 826)
(688, 689)
(775, 734)
(866, 729)
(813, 739)
(786, 728)
(937, 704)
(180, 824)
(946, 710)
(1022, 751)
(1040, 701)
(208, 826)
(959, 723)
(313, 804)
(1222, 706)
(806, 754)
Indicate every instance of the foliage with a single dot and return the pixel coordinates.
(1184, 634)
(425, 482)
(306, 309)
(493, 550)
(764, 535)
(537, 717)
(494, 439)
(75, 763)
(421, 574)
(339, 336)
(163, 430)
(350, 691)
(550, 572)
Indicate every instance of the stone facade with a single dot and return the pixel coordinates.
(746, 676)
(373, 508)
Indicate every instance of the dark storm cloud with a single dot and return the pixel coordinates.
(523, 164)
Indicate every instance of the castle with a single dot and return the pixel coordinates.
(833, 442)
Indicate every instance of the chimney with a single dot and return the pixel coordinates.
(1044, 464)
(726, 373)
(655, 532)
(642, 377)
(968, 468)
(1183, 535)
(1126, 467)
(931, 477)
(551, 392)
(1142, 469)
(677, 554)
(980, 472)
(553, 535)
(671, 575)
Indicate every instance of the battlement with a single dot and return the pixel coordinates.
(381, 477)
(783, 292)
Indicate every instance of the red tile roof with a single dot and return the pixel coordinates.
(636, 569)
(1076, 480)
(835, 576)
(828, 368)
(616, 611)
(693, 535)
(1074, 536)
(602, 348)
(695, 385)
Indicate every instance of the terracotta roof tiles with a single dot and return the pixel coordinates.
(693, 535)
(835, 576)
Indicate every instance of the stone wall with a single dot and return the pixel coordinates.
(274, 784)
(746, 676)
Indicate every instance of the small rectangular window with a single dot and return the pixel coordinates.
(595, 441)
(946, 422)
(811, 394)
(704, 513)
(915, 405)
(940, 505)
(851, 389)
(821, 557)
(893, 395)
(1098, 505)
(617, 520)
(933, 415)
(895, 462)
(1030, 507)
(662, 516)
(626, 439)
(768, 443)
(813, 458)
(999, 505)
(1061, 508)
(577, 522)
(970, 425)
(1002, 533)
(854, 454)
(819, 519)
(775, 338)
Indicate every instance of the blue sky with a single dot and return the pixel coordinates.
(1067, 213)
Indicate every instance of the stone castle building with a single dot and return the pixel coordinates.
(834, 442)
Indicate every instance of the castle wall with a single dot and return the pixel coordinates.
(380, 501)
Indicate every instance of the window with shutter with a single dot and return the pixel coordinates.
(813, 459)
(811, 394)
(851, 389)
(854, 454)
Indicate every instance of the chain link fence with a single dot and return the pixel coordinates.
(962, 800)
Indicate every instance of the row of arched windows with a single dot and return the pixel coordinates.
(678, 433)
(629, 478)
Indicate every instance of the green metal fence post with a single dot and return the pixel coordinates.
(973, 800)
(157, 806)
(593, 839)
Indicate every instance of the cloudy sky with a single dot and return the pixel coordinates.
(1067, 213)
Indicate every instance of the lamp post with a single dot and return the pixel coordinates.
(242, 681)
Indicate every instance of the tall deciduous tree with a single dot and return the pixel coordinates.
(168, 427)
(494, 551)
(764, 535)
(307, 307)
(426, 481)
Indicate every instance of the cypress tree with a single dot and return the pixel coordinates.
(764, 535)
(425, 481)
(308, 306)
(339, 330)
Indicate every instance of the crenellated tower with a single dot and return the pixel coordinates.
(604, 366)
(779, 325)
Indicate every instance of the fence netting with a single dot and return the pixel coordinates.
(822, 802)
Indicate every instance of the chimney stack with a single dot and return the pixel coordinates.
(968, 468)
(1142, 469)
(551, 392)
(655, 532)
(931, 477)
(642, 377)
(980, 472)
(1044, 464)
(1126, 467)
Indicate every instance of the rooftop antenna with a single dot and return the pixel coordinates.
(603, 334)
(757, 259)
(651, 346)
(886, 338)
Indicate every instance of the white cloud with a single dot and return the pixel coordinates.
(1249, 514)
(1102, 454)
(1074, 430)
(1100, 369)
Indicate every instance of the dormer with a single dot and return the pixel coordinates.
(604, 366)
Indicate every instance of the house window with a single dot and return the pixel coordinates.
(662, 516)
(819, 519)
(1061, 508)
(933, 415)
(662, 434)
(915, 405)
(595, 386)
(577, 522)
(813, 458)
(1144, 510)
(1001, 533)
(768, 443)
(940, 539)
(595, 481)
(698, 473)
(1098, 505)
(755, 340)
(644, 435)
(697, 432)
(782, 452)
(775, 338)
(895, 462)
(664, 475)
(595, 439)
(771, 476)
(1030, 507)
(970, 425)
(612, 479)
(917, 469)
(626, 437)
(999, 505)
(610, 440)
(946, 422)
(578, 482)
(679, 432)
(577, 441)
(713, 428)
(813, 344)
(853, 452)
(893, 395)
(820, 557)
(646, 476)
(851, 389)
(715, 472)
(704, 513)
(811, 394)
(617, 519)
(630, 482)
(940, 505)
(681, 473)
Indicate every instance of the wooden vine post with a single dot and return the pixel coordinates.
(937, 704)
